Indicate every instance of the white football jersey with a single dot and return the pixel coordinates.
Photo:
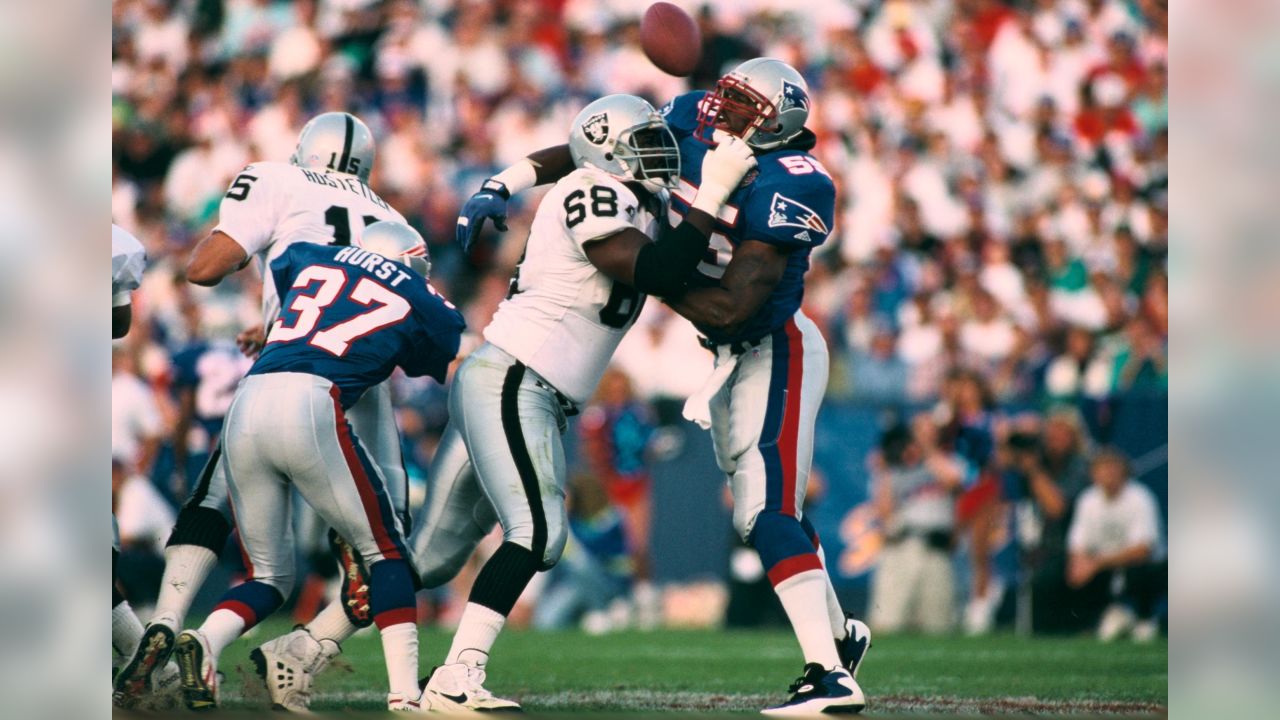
(128, 260)
(271, 205)
(562, 316)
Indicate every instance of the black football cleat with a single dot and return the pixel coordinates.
(821, 691)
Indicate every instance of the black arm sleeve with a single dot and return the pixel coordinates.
(663, 268)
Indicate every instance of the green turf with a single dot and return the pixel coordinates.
(741, 670)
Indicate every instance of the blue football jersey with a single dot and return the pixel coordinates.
(787, 201)
(211, 371)
(353, 316)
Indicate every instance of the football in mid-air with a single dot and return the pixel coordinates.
(670, 39)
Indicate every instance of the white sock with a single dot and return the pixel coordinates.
(475, 636)
(221, 628)
(803, 595)
(332, 624)
(126, 630)
(400, 649)
(835, 613)
(185, 570)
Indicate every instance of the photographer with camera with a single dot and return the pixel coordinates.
(915, 484)
(1046, 469)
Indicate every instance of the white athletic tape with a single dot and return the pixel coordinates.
(698, 407)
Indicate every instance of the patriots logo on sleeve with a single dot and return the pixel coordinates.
(785, 212)
(793, 96)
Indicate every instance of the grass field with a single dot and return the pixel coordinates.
(701, 671)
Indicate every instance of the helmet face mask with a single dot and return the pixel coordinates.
(763, 101)
(625, 137)
(650, 154)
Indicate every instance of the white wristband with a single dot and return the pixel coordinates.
(710, 199)
(518, 177)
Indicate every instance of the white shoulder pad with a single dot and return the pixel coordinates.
(252, 203)
(128, 260)
(595, 204)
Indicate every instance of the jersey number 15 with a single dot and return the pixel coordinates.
(336, 339)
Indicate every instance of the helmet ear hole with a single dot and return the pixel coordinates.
(608, 156)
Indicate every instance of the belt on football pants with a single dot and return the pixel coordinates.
(567, 406)
(737, 348)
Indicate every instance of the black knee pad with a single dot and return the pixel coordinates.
(504, 577)
(200, 526)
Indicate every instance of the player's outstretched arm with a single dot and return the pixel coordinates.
(490, 202)
(216, 257)
(748, 280)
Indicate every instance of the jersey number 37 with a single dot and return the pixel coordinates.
(388, 308)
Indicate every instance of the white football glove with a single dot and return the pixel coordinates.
(722, 170)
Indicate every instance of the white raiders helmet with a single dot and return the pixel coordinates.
(335, 142)
(769, 94)
(397, 241)
(624, 136)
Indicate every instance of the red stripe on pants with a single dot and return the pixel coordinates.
(368, 497)
(245, 612)
(792, 566)
(788, 437)
(396, 616)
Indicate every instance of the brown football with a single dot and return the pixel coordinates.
(670, 39)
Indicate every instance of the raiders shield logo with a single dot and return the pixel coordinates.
(596, 128)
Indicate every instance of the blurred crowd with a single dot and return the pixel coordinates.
(1001, 169)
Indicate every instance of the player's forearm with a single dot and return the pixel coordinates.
(707, 307)
(216, 257)
(746, 284)
(539, 168)
(665, 266)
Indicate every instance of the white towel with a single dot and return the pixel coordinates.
(698, 407)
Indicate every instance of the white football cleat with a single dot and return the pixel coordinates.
(166, 678)
(199, 675)
(459, 688)
(288, 666)
(854, 645)
(139, 676)
(399, 703)
(1145, 631)
(820, 691)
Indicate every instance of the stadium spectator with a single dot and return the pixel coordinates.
(1117, 563)
(879, 375)
(617, 431)
(590, 583)
(137, 422)
(1046, 467)
(915, 487)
